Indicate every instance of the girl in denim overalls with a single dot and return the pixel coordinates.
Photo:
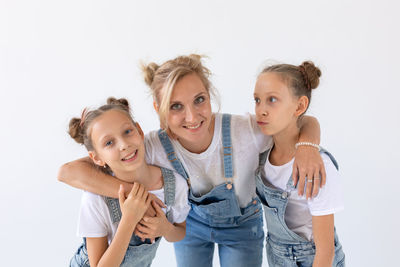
(300, 231)
(217, 154)
(115, 142)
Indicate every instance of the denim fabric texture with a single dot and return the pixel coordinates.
(139, 253)
(284, 247)
(216, 218)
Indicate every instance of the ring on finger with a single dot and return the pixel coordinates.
(310, 180)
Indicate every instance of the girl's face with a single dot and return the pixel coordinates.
(276, 106)
(190, 114)
(118, 142)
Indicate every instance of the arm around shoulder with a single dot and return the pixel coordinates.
(84, 174)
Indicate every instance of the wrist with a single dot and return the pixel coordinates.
(309, 144)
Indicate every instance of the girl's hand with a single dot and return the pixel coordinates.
(151, 212)
(308, 165)
(152, 227)
(135, 205)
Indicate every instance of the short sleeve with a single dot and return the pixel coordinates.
(92, 216)
(330, 198)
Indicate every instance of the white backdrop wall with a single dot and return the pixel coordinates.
(57, 57)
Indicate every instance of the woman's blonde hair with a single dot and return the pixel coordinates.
(162, 79)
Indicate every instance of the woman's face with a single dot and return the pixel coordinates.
(190, 115)
(275, 105)
(117, 142)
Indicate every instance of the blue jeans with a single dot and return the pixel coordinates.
(239, 246)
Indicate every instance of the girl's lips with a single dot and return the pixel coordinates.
(262, 123)
(130, 159)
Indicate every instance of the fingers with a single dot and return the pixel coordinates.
(157, 207)
(309, 183)
(134, 190)
(323, 175)
(295, 174)
(158, 202)
(316, 184)
(121, 195)
(301, 182)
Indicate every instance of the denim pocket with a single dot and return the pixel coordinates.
(222, 208)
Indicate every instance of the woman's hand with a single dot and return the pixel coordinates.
(152, 227)
(134, 206)
(308, 165)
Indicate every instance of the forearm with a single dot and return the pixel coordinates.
(176, 232)
(324, 257)
(83, 174)
(309, 130)
(323, 231)
(115, 253)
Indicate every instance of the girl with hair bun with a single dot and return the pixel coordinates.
(115, 144)
(300, 231)
(217, 154)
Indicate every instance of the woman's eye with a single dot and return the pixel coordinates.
(199, 100)
(176, 106)
(257, 100)
(128, 131)
(272, 99)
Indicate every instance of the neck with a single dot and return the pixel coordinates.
(147, 175)
(284, 142)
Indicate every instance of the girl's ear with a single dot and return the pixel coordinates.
(96, 159)
(139, 129)
(155, 106)
(302, 104)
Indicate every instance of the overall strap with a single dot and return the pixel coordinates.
(323, 150)
(227, 144)
(113, 208)
(169, 190)
(171, 155)
(262, 158)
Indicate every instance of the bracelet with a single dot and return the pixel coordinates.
(307, 144)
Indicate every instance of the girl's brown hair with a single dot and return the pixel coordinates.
(301, 79)
(162, 78)
(80, 128)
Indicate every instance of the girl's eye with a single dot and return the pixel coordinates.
(272, 99)
(199, 100)
(176, 106)
(109, 143)
(257, 100)
(128, 131)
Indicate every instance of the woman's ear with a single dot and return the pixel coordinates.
(139, 129)
(155, 106)
(96, 159)
(302, 105)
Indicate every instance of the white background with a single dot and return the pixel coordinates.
(57, 57)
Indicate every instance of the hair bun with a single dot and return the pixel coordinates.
(149, 71)
(122, 102)
(311, 73)
(75, 130)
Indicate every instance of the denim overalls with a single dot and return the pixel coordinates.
(284, 247)
(139, 253)
(216, 217)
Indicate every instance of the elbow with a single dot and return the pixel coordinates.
(62, 173)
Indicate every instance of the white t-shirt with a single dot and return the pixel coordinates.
(206, 170)
(95, 219)
(299, 211)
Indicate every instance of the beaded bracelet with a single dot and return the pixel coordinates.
(307, 144)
